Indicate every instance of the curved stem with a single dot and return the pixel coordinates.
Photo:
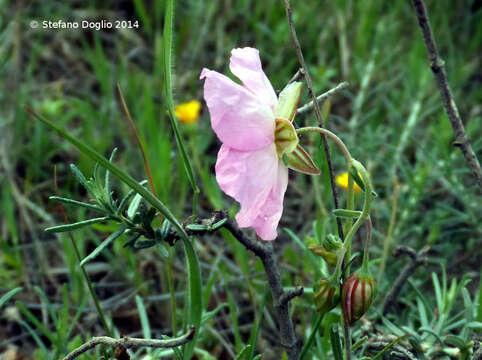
(366, 250)
(331, 135)
(367, 203)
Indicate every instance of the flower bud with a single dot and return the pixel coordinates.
(327, 295)
(332, 242)
(357, 295)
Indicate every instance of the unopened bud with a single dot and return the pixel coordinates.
(327, 295)
(357, 295)
(332, 242)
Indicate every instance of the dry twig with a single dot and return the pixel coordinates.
(437, 66)
(322, 98)
(281, 298)
(128, 342)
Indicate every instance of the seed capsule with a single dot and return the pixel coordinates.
(327, 295)
(357, 295)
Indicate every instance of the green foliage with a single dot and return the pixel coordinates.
(390, 117)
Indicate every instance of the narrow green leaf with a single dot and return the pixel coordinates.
(47, 302)
(75, 202)
(77, 225)
(125, 199)
(144, 244)
(254, 334)
(336, 343)
(133, 206)
(243, 352)
(123, 176)
(168, 21)
(107, 172)
(33, 319)
(359, 343)
(210, 314)
(388, 347)
(193, 296)
(311, 339)
(196, 227)
(345, 213)
(141, 309)
(82, 179)
(36, 338)
(5, 298)
(455, 340)
(103, 245)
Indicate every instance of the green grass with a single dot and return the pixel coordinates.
(391, 118)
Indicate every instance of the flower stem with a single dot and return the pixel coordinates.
(368, 222)
(331, 135)
(367, 203)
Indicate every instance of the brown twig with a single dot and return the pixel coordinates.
(437, 66)
(316, 107)
(297, 76)
(418, 259)
(326, 147)
(281, 298)
(322, 98)
(128, 342)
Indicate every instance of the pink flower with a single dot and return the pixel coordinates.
(257, 136)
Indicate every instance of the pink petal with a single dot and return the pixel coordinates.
(248, 177)
(238, 117)
(246, 65)
(269, 214)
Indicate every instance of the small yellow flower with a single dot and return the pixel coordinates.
(342, 180)
(188, 112)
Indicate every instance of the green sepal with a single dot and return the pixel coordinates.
(357, 178)
(288, 101)
(300, 161)
(285, 137)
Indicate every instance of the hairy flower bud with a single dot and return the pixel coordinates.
(327, 295)
(332, 242)
(357, 295)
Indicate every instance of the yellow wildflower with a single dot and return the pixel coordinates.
(188, 112)
(342, 180)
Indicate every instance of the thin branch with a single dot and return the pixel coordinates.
(437, 66)
(297, 76)
(291, 294)
(417, 259)
(322, 98)
(319, 119)
(128, 342)
(326, 148)
(265, 252)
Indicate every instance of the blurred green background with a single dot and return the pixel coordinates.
(390, 117)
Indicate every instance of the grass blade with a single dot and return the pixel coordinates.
(168, 21)
(4, 299)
